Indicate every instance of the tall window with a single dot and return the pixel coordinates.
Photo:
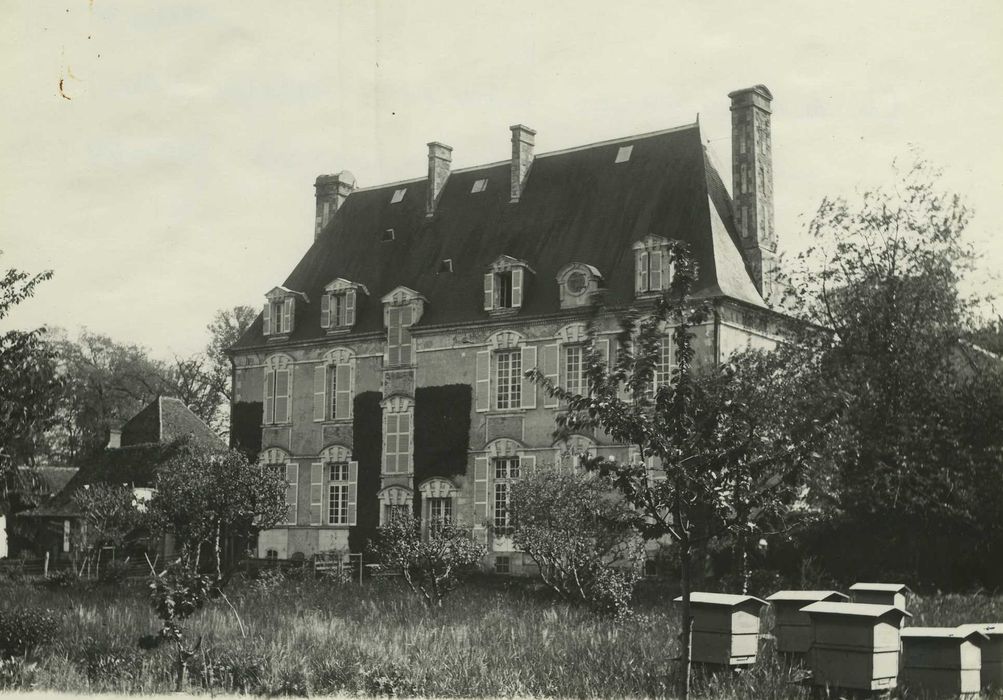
(663, 364)
(440, 511)
(396, 457)
(278, 394)
(399, 320)
(509, 378)
(277, 318)
(506, 471)
(504, 291)
(337, 504)
(338, 309)
(574, 369)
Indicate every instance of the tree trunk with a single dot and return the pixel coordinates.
(219, 569)
(686, 635)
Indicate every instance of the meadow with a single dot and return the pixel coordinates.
(493, 637)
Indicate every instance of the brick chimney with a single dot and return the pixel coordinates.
(332, 190)
(752, 182)
(523, 140)
(440, 156)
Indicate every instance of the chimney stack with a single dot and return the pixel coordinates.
(332, 190)
(523, 140)
(440, 156)
(752, 182)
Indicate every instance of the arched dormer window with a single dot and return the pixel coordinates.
(505, 285)
(504, 462)
(339, 303)
(334, 487)
(402, 308)
(278, 386)
(500, 381)
(278, 460)
(334, 386)
(653, 266)
(395, 501)
(279, 313)
(576, 283)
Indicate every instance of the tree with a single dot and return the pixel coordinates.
(29, 391)
(205, 495)
(579, 534)
(226, 328)
(432, 562)
(716, 446)
(110, 516)
(916, 460)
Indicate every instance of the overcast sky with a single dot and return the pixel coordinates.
(173, 174)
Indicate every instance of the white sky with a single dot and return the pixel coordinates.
(178, 177)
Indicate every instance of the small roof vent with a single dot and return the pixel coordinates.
(446, 265)
(398, 195)
(388, 235)
(479, 186)
(623, 155)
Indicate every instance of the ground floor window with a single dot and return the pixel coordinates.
(503, 565)
(337, 501)
(394, 511)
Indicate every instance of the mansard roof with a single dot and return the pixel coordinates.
(577, 205)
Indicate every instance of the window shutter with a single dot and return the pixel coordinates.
(319, 384)
(483, 380)
(292, 491)
(350, 308)
(393, 336)
(602, 347)
(517, 287)
(266, 315)
(287, 315)
(622, 390)
(489, 291)
(551, 356)
(316, 493)
(481, 499)
(343, 394)
(283, 379)
(642, 271)
(656, 269)
(528, 386)
(353, 480)
(325, 310)
(269, 396)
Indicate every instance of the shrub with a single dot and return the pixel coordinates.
(22, 631)
(231, 669)
(388, 679)
(268, 580)
(115, 573)
(62, 579)
(431, 562)
(17, 674)
(107, 660)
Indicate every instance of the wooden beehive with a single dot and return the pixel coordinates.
(791, 627)
(854, 645)
(942, 661)
(880, 594)
(725, 628)
(992, 653)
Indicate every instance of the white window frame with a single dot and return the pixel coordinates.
(334, 386)
(395, 409)
(395, 496)
(439, 489)
(571, 299)
(487, 370)
(279, 314)
(517, 271)
(337, 475)
(323, 483)
(340, 304)
(276, 366)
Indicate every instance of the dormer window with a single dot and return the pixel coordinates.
(505, 285)
(280, 311)
(652, 266)
(339, 303)
(479, 186)
(577, 282)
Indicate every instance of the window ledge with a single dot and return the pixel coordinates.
(496, 412)
(507, 311)
(287, 424)
(339, 330)
(652, 294)
(335, 421)
(278, 337)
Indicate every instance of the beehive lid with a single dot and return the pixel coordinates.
(855, 609)
(727, 599)
(992, 630)
(807, 596)
(885, 587)
(961, 633)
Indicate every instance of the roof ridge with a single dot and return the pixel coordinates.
(547, 154)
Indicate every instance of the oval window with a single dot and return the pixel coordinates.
(576, 282)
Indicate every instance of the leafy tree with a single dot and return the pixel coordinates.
(110, 517)
(579, 534)
(725, 457)
(204, 496)
(432, 562)
(916, 459)
(29, 391)
(226, 328)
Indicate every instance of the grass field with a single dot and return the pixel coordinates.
(312, 637)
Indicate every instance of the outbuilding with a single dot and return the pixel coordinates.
(725, 628)
(854, 645)
(791, 626)
(943, 661)
(992, 653)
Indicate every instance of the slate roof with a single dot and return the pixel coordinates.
(577, 205)
(165, 419)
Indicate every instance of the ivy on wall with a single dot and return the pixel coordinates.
(441, 430)
(245, 428)
(367, 448)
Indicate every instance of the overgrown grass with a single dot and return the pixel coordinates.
(313, 637)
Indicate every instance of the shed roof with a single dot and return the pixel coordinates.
(960, 633)
(854, 609)
(729, 599)
(166, 419)
(809, 596)
(577, 205)
(887, 587)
